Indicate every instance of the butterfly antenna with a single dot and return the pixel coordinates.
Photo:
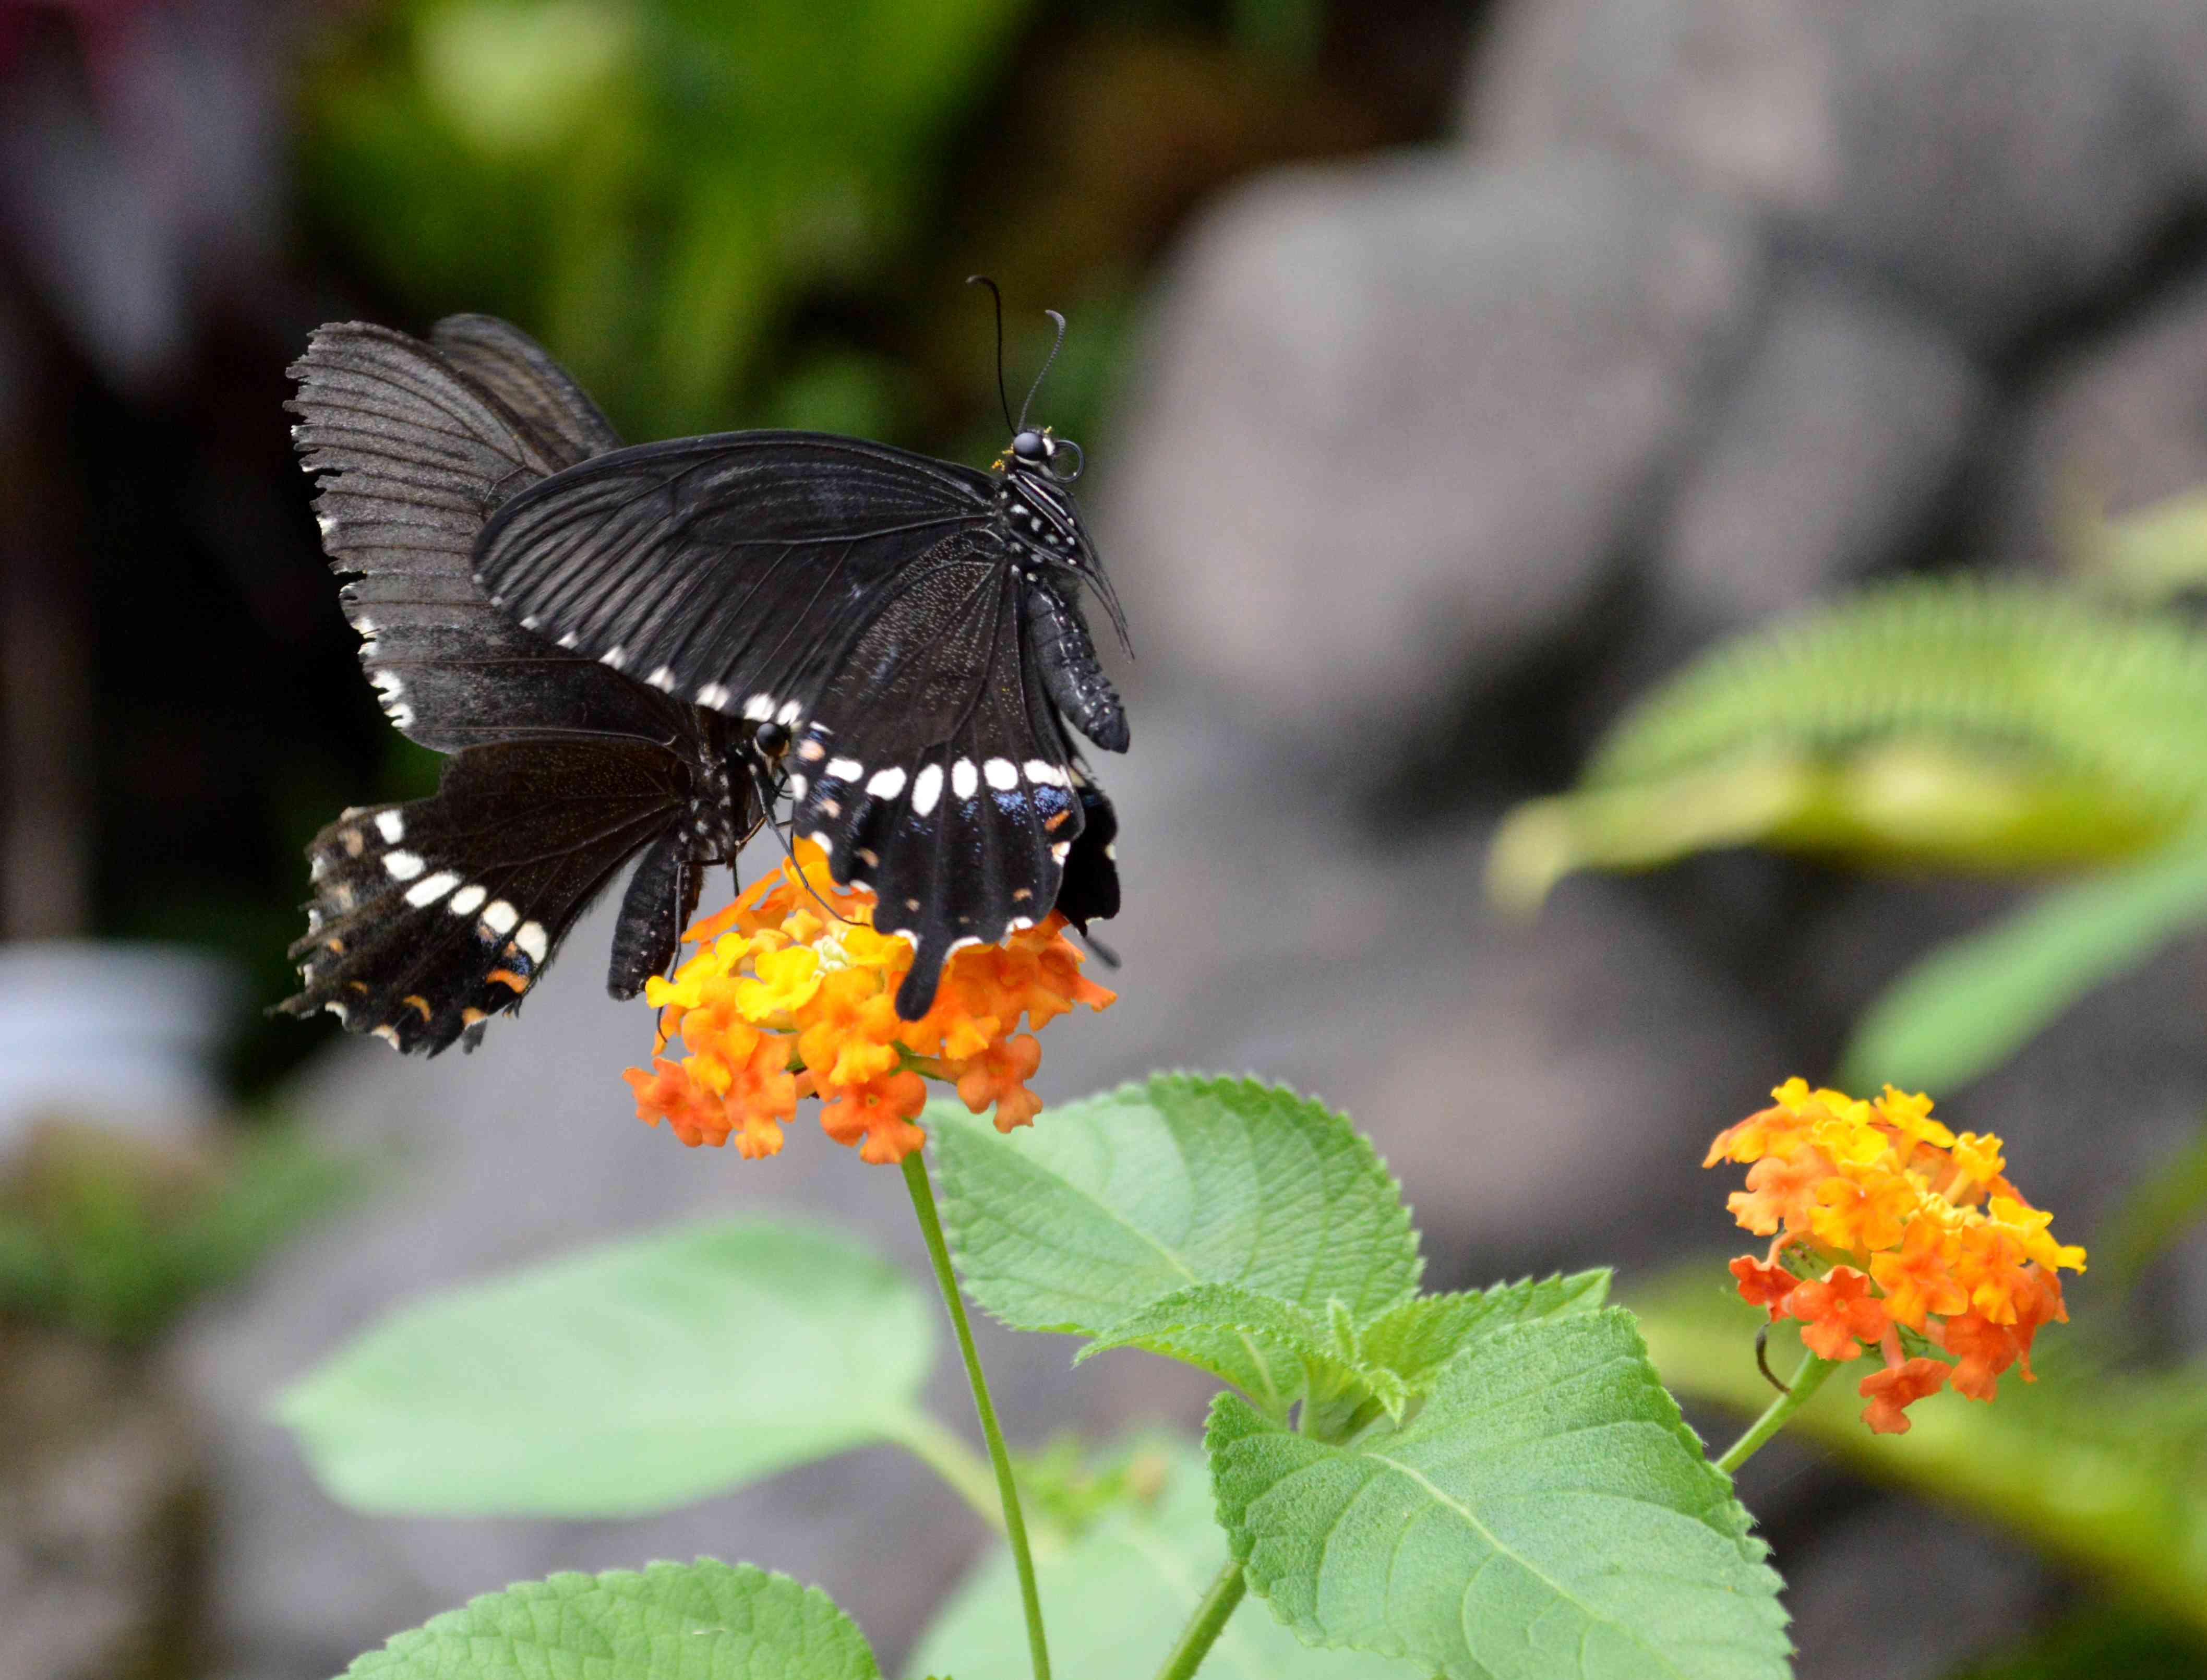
(1020, 424)
(983, 280)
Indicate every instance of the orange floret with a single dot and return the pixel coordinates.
(791, 993)
(1891, 1221)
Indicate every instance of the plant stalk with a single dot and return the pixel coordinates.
(1208, 1622)
(1806, 1381)
(1007, 1492)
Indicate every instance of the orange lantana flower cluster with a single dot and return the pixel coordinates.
(793, 993)
(1886, 1221)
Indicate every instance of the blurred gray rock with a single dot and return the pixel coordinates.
(1397, 420)
(2112, 425)
(2011, 159)
(1850, 416)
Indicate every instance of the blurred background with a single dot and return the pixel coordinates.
(1447, 374)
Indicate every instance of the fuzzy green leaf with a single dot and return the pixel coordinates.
(627, 1379)
(702, 1621)
(1418, 1338)
(1546, 1513)
(1293, 1350)
(1117, 1597)
(1946, 721)
(1126, 1199)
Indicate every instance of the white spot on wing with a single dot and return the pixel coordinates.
(465, 900)
(787, 715)
(335, 1008)
(530, 939)
(430, 888)
(569, 641)
(662, 679)
(501, 916)
(824, 840)
(1057, 852)
(846, 769)
(797, 787)
(964, 778)
(926, 789)
(759, 707)
(1002, 774)
(392, 825)
(387, 1033)
(713, 695)
(887, 784)
(402, 865)
(1043, 771)
(615, 657)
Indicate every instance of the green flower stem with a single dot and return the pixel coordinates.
(1007, 1492)
(1806, 1381)
(945, 1452)
(1208, 1622)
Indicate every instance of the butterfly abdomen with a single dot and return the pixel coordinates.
(1065, 656)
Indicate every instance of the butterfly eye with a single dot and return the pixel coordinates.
(772, 740)
(1030, 446)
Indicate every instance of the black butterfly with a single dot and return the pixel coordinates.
(903, 634)
(431, 917)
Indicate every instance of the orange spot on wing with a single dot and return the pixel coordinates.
(506, 976)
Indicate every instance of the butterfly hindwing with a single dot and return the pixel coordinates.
(429, 917)
(933, 772)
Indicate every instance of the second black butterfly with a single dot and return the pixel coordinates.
(431, 917)
(904, 634)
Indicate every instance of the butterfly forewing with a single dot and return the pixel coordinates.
(733, 570)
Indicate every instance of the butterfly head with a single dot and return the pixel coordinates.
(1034, 509)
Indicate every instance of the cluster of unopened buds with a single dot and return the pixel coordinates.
(1888, 1227)
(792, 994)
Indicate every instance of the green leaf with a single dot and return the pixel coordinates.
(2164, 1202)
(1117, 1599)
(627, 1379)
(1419, 1336)
(1126, 1199)
(701, 1621)
(1970, 1005)
(1219, 1326)
(2104, 1471)
(1546, 1512)
(1946, 721)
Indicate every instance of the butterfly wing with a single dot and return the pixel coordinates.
(414, 455)
(562, 422)
(429, 917)
(933, 772)
(735, 571)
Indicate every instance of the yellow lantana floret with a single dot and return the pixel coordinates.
(792, 994)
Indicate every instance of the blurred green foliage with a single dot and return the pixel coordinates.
(652, 182)
(102, 1234)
